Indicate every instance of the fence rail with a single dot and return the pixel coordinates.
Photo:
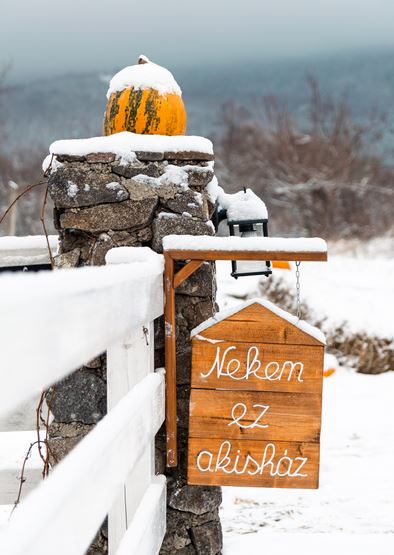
(26, 251)
(52, 323)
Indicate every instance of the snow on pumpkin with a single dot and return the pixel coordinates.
(145, 99)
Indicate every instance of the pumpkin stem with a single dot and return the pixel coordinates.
(143, 59)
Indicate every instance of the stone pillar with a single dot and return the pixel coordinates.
(104, 200)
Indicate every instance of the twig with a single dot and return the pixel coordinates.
(42, 219)
(45, 471)
(45, 422)
(38, 416)
(50, 452)
(22, 478)
(29, 188)
(42, 215)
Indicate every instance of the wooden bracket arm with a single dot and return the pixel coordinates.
(186, 272)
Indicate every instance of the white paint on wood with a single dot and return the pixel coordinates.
(142, 474)
(82, 489)
(237, 369)
(128, 362)
(145, 534)
(239, 411)
(227, 460)
(53, 322)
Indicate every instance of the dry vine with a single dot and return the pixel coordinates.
(42, 219)
(29, 188)
(43, 446)
(22, 478)
(40, 443)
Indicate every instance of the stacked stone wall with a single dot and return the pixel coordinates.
(103, 201)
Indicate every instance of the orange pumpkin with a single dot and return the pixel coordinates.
(281, 264)
(145, 99)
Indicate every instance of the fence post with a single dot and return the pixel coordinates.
(128, 362)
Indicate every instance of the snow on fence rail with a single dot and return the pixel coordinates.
(51, 323)
(24, 251)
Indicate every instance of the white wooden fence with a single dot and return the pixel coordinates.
(52, 323)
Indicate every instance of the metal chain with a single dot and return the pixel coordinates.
(298, 290)
(214, 287)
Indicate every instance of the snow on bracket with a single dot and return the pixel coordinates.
(246, 244)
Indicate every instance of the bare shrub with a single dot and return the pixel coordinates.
(368, 354)
(23, 169)
(320, 180)
(19, 169)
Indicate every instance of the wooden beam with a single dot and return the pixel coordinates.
(204, 255)
(186, 271)
(170, 361)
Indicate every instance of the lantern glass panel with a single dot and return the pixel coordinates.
(250, 228)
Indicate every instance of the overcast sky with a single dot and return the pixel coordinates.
(41, 37)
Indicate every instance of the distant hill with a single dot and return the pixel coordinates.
(40, 112)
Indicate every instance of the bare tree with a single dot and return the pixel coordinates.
(18, 170)
(321, 178)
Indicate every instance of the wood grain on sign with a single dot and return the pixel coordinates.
(256, 366)
(255, 405)
(255, 415)
(257, 323)
(250, 463)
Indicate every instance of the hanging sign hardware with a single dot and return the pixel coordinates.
(216, 248)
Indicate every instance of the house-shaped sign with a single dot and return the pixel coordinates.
(255, 405)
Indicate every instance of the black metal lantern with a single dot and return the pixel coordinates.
(249, 228)
(245, 228)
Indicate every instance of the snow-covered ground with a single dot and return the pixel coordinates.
(356, 493)
(353, 510)
(357, 290)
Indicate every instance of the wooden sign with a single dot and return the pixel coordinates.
(255, 405)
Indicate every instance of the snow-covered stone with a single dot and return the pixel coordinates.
(176, 223)
(71, 186)
(185, 203)
(129, 214)
(125, 145)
